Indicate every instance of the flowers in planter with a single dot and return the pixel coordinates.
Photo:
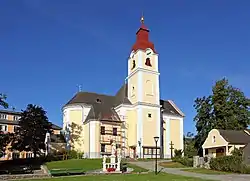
(111, 169)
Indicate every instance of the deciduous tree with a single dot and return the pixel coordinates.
(33, 126)
(4, 138)
(189, 148)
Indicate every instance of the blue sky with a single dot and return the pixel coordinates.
(48, 47)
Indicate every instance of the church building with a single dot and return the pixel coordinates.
(132, 117)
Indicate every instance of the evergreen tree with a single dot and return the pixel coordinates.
(227, 108)
(33, 126)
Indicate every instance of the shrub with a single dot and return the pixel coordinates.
(237, 152)
(72, 154)
(184, 161)
(229, 164)
(178, 153)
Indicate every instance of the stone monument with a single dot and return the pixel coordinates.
(115, 161)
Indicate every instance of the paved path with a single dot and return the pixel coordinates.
(177, 171)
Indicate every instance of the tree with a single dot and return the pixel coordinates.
(226, 108)
(178, 153)
(75, 134)
(189, 148)
(33, 126)
(2, 101)
(4, 138)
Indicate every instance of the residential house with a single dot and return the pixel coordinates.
(223, 142)
(9, 123)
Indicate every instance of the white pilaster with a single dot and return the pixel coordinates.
(167, 142)
(140, 79)
(181, 134)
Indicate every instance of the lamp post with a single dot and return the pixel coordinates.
(139, 143)
(156, 138)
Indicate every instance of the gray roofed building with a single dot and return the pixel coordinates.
(102, 106)
(235, 136)
(15, 122)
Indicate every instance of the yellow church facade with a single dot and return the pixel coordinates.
(132, 117)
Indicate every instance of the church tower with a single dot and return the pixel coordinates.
(143, 89)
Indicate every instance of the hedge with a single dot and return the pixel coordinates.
(184, 161)
(229, 164)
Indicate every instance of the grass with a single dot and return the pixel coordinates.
(205, 171)
(136, 168)
(83, 165)
(151, 159)
(172, 165)
(86, 164)
(118, 177)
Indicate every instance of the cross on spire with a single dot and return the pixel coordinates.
(79, 88)
(142, 18)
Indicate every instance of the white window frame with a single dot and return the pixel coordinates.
(16, 118)
(15, 155)
(4, 125)
(3, 116)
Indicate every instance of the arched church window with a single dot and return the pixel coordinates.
(133, 65)
(148, 62)
(149, 88)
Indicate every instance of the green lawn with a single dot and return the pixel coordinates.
(172, 165)
(151, 159)
(85, 164)
(205, 171)
(131, 177)
(136, 168)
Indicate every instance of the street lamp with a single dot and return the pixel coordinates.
(156, 138)
(139, 143)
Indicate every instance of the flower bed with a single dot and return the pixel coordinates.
(111, 169)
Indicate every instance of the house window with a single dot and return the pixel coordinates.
(149, 115)
(148, 63)
(114, 131)
(16, 118)
(3, 127)
(3, 116)
(29, 155)
(15, 155)
(206, 151)
(214, 139)
(102, 148)
(15, 128)
(102, 130)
